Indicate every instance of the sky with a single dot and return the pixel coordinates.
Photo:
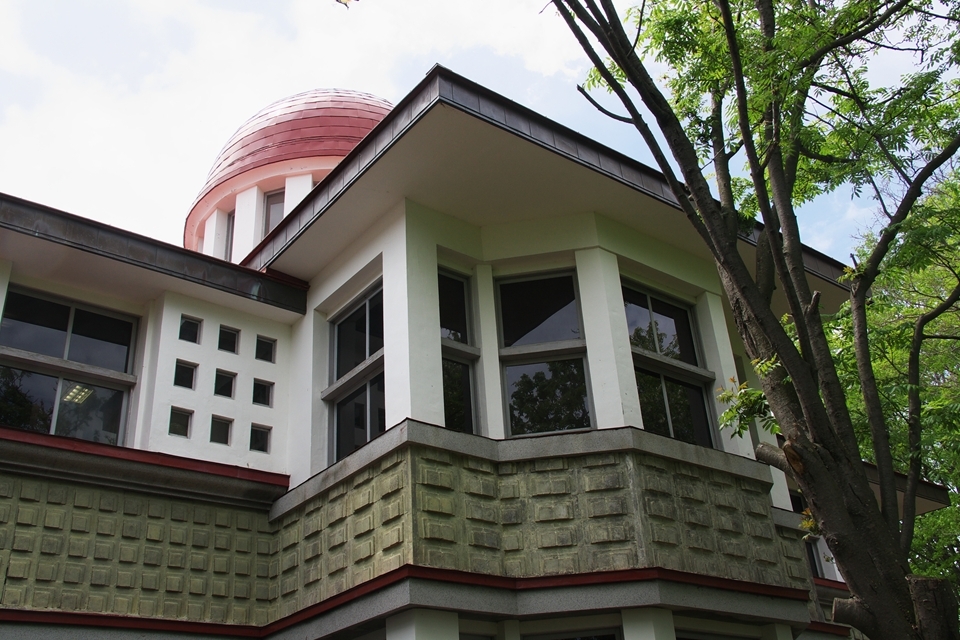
(115, 110)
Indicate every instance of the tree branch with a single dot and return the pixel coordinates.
(609, 114)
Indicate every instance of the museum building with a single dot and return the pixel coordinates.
(434, 371)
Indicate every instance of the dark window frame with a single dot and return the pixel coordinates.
(269, 386)
(228, 329)
(462, 352)
(542, 352)
(223, 373)
(267, 197)
(229, 422)
(182, 412)
(199, 322)
(193, 366)
(674, 369)
(263, 429)
(359, 377)
(273, 349)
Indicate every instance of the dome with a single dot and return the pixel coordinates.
(321, 122)
(307, 132)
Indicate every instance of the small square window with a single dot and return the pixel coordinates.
(190, 329)
(183, 374)
(263, 393)
(259, 438)
(223, 383)
(220, 430)
(266, 349)
(180, 422)
(229, 339)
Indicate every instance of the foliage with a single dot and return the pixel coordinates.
(799, 92)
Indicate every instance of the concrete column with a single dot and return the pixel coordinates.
(648, 624)
(776, 632)
(423, 624)
(247, 223)
(508, 630)
(718, 353)
(295, 190)
(411, 312)
(489, 387)
(215, 235)
(612, 381)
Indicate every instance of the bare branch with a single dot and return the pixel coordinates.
(601, 109)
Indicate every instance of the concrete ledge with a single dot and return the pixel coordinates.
(57, 457)
(554, 445)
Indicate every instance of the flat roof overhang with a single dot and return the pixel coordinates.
(48, 244)
(458, 148)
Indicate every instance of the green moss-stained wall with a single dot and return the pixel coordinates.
(103, 550)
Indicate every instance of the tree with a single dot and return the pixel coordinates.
(788, 87)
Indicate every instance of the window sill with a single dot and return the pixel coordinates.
(551, 350)
(348, 381)
(669, 366)
(452, 348)
(33, 360)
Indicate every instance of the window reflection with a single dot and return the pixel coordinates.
(535, 311)
(27, 399)
(89, 412)
(457, 405)
(547, 396)
(34, 324)
(100, 340)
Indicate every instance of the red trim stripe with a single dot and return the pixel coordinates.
(831, 584)
(144, 457)
(406, 573)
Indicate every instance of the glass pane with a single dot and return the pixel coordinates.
(547, 396)
(183, 375)
(223, 384)
(274, 212)
(179, 423)
(262, 392)
(100, 340)
(229, 339)
(220, 431)
(673, 331)
(26, 399)
(378, 407)
(376, 323)
(34, 324)
(457, 409)
(265, 348)
(351, 423)
(89, 412)
(652, 409)
(228, 248)
(259, 439)
(637, 308)
(687, 413)
(189, 330)
(351, 341)
(453, 309)
(537, 311)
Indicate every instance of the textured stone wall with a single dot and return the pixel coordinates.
(103, 550)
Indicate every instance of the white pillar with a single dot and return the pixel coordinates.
(613, 383)
(423, 624)
(648, 624)
(489, 388)
(413, 373)
(247, 223)
(776, 632)
(718, 353)
(215, 235)
(295, 189)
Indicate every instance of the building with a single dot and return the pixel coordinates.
(441, 370)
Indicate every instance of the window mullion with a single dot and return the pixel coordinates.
(56, 407)
(66, 345)
(666, 404)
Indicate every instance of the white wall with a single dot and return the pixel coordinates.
(201, 400)
(247, 223)
(295, 190)
(215, 234)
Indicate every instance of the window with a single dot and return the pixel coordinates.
(180, 422)
(46, 403)
(457, 356)
(223, 383)
(259, 438)
(53, 395)
(358, 392)
(263, 393)
(190, 329)
(220, 430)
(67, 331)
(228, 240)
(542, 353)
(229, 339)
(184, 374)
(272, 211)
(266, 349)
(669, 379)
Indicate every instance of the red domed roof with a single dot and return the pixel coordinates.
(322, 122)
